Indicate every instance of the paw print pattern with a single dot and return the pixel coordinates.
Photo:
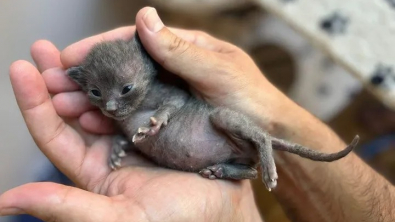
(323, 90)
(334, 24)
(381, 75)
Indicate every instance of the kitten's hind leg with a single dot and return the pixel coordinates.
(120, 145)
(239, 127)
(229, 171)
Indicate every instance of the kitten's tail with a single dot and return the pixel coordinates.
(308, 153)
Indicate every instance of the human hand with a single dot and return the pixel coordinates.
(217, 72)
(141, 192)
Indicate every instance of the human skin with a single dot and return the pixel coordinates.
(219, 73)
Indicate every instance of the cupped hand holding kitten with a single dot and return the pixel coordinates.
(78, 144)
(74, 135)
(217, 72)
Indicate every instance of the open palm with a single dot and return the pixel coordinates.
(75, 137)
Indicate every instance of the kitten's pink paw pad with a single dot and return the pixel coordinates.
(212, 172)
(141, 134)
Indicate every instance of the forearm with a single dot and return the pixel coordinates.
(344, 190)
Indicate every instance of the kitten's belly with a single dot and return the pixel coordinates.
(138, 119)
(190, 146)
(188, 142)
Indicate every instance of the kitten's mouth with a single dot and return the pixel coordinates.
(116, 116)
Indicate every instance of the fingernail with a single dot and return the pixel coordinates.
(10, 211)
(152, 20)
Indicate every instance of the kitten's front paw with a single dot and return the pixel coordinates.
(141, 134)
(156, 125)
(144, 132)
(115, 161)
(119, 145)
(158, 122)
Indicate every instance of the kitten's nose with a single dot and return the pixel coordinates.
(111, 106)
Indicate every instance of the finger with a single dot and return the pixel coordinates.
(96, 122)
(59, 142)
(74, 54)
(203, 40)
(55, 202)
(57, 81)
(172, 52)
(72, 104)
(45, 55)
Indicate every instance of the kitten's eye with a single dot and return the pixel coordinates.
(96, 92)
(126, 89)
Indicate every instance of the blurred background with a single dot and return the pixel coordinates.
(289, 60)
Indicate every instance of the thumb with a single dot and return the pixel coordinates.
(176, 55)
(55, 202)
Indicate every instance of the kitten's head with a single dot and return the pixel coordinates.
(116, 76)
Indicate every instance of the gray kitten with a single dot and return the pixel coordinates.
(171, 127)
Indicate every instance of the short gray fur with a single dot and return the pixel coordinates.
(171, 127)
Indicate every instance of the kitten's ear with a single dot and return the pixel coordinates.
(136, 42)
(78, 75)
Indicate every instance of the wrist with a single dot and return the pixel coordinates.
(247, 208)
(274, 111)
(283, 118)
